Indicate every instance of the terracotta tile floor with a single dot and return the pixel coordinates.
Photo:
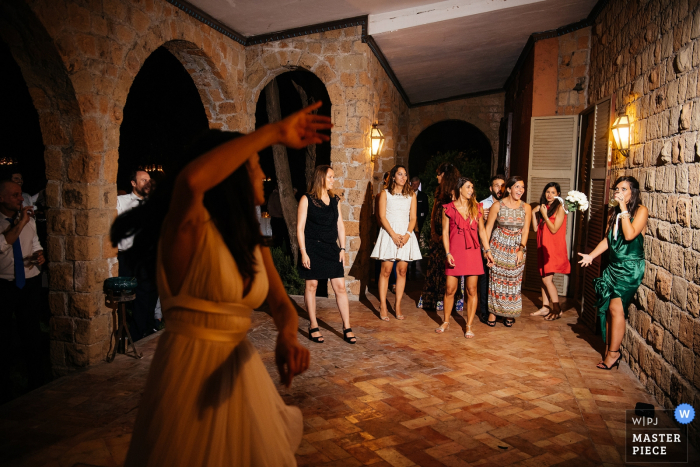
(402, 396)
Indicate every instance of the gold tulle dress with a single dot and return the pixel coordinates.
(209, 400)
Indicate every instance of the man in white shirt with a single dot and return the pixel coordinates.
(29, 200)
(21, 257)
(497, 188)
(146, 292)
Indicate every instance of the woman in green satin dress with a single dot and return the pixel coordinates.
(623, 276)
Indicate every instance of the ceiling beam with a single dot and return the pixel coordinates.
(435, 12)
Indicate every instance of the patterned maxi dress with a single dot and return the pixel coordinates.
(506, 276)
(435, 280)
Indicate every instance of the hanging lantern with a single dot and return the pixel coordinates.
(7, 161)
(621, 134)
(377, 139)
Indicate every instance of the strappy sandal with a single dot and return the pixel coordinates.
(508, 322)
(544, 311)
(469, 334)
(555, 313)
(442, 329)
(347, 339)
(383, 318)
(491, 324)
(615, 364)
(315, 339)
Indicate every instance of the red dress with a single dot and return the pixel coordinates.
(552, 254)
(464, 244)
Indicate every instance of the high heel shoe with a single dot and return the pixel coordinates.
(491, 324)
(555, 313)
(442, 329)
(347, 339)
(615, 364)
(469, 334)
(315, 339)
(508, 322)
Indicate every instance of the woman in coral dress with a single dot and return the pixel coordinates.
(552, 254)
(209, 401)
(463, 226)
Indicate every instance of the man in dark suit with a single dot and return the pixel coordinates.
(421, 212)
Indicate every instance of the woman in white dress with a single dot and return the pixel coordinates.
(209, 401)
(396, 240)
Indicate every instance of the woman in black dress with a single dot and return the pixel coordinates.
(319, 230)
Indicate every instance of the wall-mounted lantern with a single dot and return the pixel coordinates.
(377, 141)
(621, 134)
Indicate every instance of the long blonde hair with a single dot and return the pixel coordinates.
(472, 204)
(318, 183)
(391, 183)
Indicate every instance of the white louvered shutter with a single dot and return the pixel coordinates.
(553, 142)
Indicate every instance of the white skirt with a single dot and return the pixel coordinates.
(386, 250)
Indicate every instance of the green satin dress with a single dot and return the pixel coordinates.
(623, 276)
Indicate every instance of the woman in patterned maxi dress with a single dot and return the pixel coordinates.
(506, 252)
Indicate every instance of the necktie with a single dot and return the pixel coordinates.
(19, 261)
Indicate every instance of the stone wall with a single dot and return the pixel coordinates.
(574, 61)
(647, 54)
(79, 60)
(360, 94)
(484, 112)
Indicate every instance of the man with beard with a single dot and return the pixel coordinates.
(146, 292)
(496, 187)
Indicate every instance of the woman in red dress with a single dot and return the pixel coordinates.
(552, 256)
(462, 226)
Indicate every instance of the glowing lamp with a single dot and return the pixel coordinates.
(621, 134)
(377, 139)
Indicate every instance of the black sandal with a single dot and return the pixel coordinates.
(491, 324)
(616, 363)
(315, 339)
(348, 339)
(508, 322)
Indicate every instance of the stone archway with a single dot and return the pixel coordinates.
(76, 329)
(444, 136)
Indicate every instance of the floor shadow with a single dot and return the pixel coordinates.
(301, 312)
(593, 339)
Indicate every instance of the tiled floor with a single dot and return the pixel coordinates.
(402, 396)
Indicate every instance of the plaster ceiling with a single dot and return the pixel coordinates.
(437, 50)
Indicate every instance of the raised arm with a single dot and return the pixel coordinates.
(301, 225)
(290, 356)
(558, 220)
(632, 229)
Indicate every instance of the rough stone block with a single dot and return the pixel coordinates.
(61, 276)
(80, 248)
(93, 222)
(86, 305)
(60, 221)
(686, 330)
(58, 303)
(62, 328)
(693, 301)
(90, 275)
(692, 266)
(92, 331)
(655, 337)
(80, 355)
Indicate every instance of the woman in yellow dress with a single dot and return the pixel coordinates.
(209, 401)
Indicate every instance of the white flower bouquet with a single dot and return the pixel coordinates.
(575, 201)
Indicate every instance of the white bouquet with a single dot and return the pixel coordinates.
(575, 201)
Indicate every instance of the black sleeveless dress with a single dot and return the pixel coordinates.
(321, 234)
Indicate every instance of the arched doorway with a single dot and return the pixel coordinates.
(448, 136)
(163, 112)
(22, 143)
(286, 94)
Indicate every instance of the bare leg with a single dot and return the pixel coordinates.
(553, 293)
(401, 269)
(310, 302)
(451, 284)
(472, 303)
(383, 286)
(615, 330)
(544, 311)
(341, 299)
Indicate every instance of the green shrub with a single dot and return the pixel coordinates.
(293, 284)
(469, 166)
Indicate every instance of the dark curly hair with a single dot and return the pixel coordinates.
(632, 206)
(447, 189)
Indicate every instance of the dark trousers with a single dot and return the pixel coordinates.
(25, 305)
(144, 305)
(484, 293)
